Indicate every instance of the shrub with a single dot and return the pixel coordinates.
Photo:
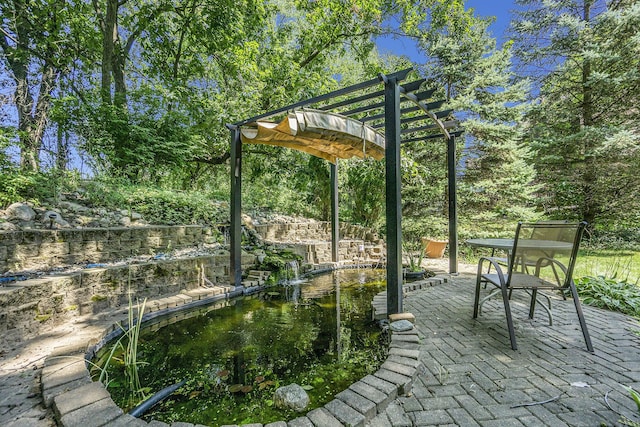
(157, 205)
(611, 294)
(34, 187)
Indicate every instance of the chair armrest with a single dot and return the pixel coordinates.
(494, 262)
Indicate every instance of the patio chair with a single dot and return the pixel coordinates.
(536, 246)
(541, 232)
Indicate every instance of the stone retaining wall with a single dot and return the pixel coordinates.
(30, 307)
(44, 249)
(320, 230)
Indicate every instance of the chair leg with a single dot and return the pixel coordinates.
(507, 309)
(555, 273)
(583, 324)
(477, 298)
(532, 306)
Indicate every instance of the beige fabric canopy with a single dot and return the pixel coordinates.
(329, 136)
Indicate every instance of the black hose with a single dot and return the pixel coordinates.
(139, 410)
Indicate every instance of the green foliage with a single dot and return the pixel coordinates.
(627, 238)
(413, 252)
(33, 187)
(634, 395)
(365, 191)
(611, 294)
(582, 131)
(125, 356)
(157, 205)
(617, 263)
(468, 70)
(279, 262)
(137, 146)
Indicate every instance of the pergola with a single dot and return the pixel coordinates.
(346, 123)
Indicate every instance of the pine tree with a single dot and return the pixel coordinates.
(584, 132)
(478, 82)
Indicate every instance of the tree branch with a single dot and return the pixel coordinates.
(338, 39)
(213, 160)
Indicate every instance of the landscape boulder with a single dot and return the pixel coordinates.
(53, 219)
(21, 212)
(291, 396)
(401, 326)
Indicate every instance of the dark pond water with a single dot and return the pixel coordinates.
(234, 357)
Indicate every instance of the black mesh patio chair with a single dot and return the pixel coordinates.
(541, 232)
(536, 247)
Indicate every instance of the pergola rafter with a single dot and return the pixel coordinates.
(365, 116)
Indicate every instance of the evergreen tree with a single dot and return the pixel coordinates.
(584, 131)
(479, 86)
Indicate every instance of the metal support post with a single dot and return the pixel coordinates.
(393, 198)
(335, 225)
(235, 265)
(453, 200)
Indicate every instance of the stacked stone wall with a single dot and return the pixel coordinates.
(321, 230)
(33, 306)
(45, 249)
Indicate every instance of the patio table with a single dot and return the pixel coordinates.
(507, 244)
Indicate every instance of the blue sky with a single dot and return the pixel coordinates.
(498, 8)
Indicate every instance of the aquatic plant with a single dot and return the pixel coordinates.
(126, 355)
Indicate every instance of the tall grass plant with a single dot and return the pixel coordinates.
(125, 354)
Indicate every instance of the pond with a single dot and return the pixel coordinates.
(233, 358)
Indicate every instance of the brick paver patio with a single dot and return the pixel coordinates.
(472, 377)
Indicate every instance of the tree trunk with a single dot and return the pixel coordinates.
(32, 119)
(120, 86)
(109, 28)
(62, 154)
(589, 205)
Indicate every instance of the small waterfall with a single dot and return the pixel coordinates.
(292, 272)
(292, 282)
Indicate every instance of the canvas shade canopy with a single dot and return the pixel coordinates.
(323, 134)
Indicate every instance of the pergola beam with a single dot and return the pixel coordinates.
(432, 136)
(409, 87)
(441, 125)
(403, 111)
(378, 105)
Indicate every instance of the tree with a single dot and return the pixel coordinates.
(476, 79)
(584, 128)
(38, 44)
(365, 189)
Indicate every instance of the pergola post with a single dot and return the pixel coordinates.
(453, 200)
(393, 198)
(335, 225)
(235, 265)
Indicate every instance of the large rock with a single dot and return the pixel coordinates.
(52, 218)
(74, 207)
(8, 226)
(291, 396)
(21, 212)
(401, 326)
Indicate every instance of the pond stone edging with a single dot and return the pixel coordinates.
(77, 401)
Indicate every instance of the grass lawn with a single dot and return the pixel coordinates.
(618, 264)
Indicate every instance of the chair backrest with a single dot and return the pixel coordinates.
(546, 244)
